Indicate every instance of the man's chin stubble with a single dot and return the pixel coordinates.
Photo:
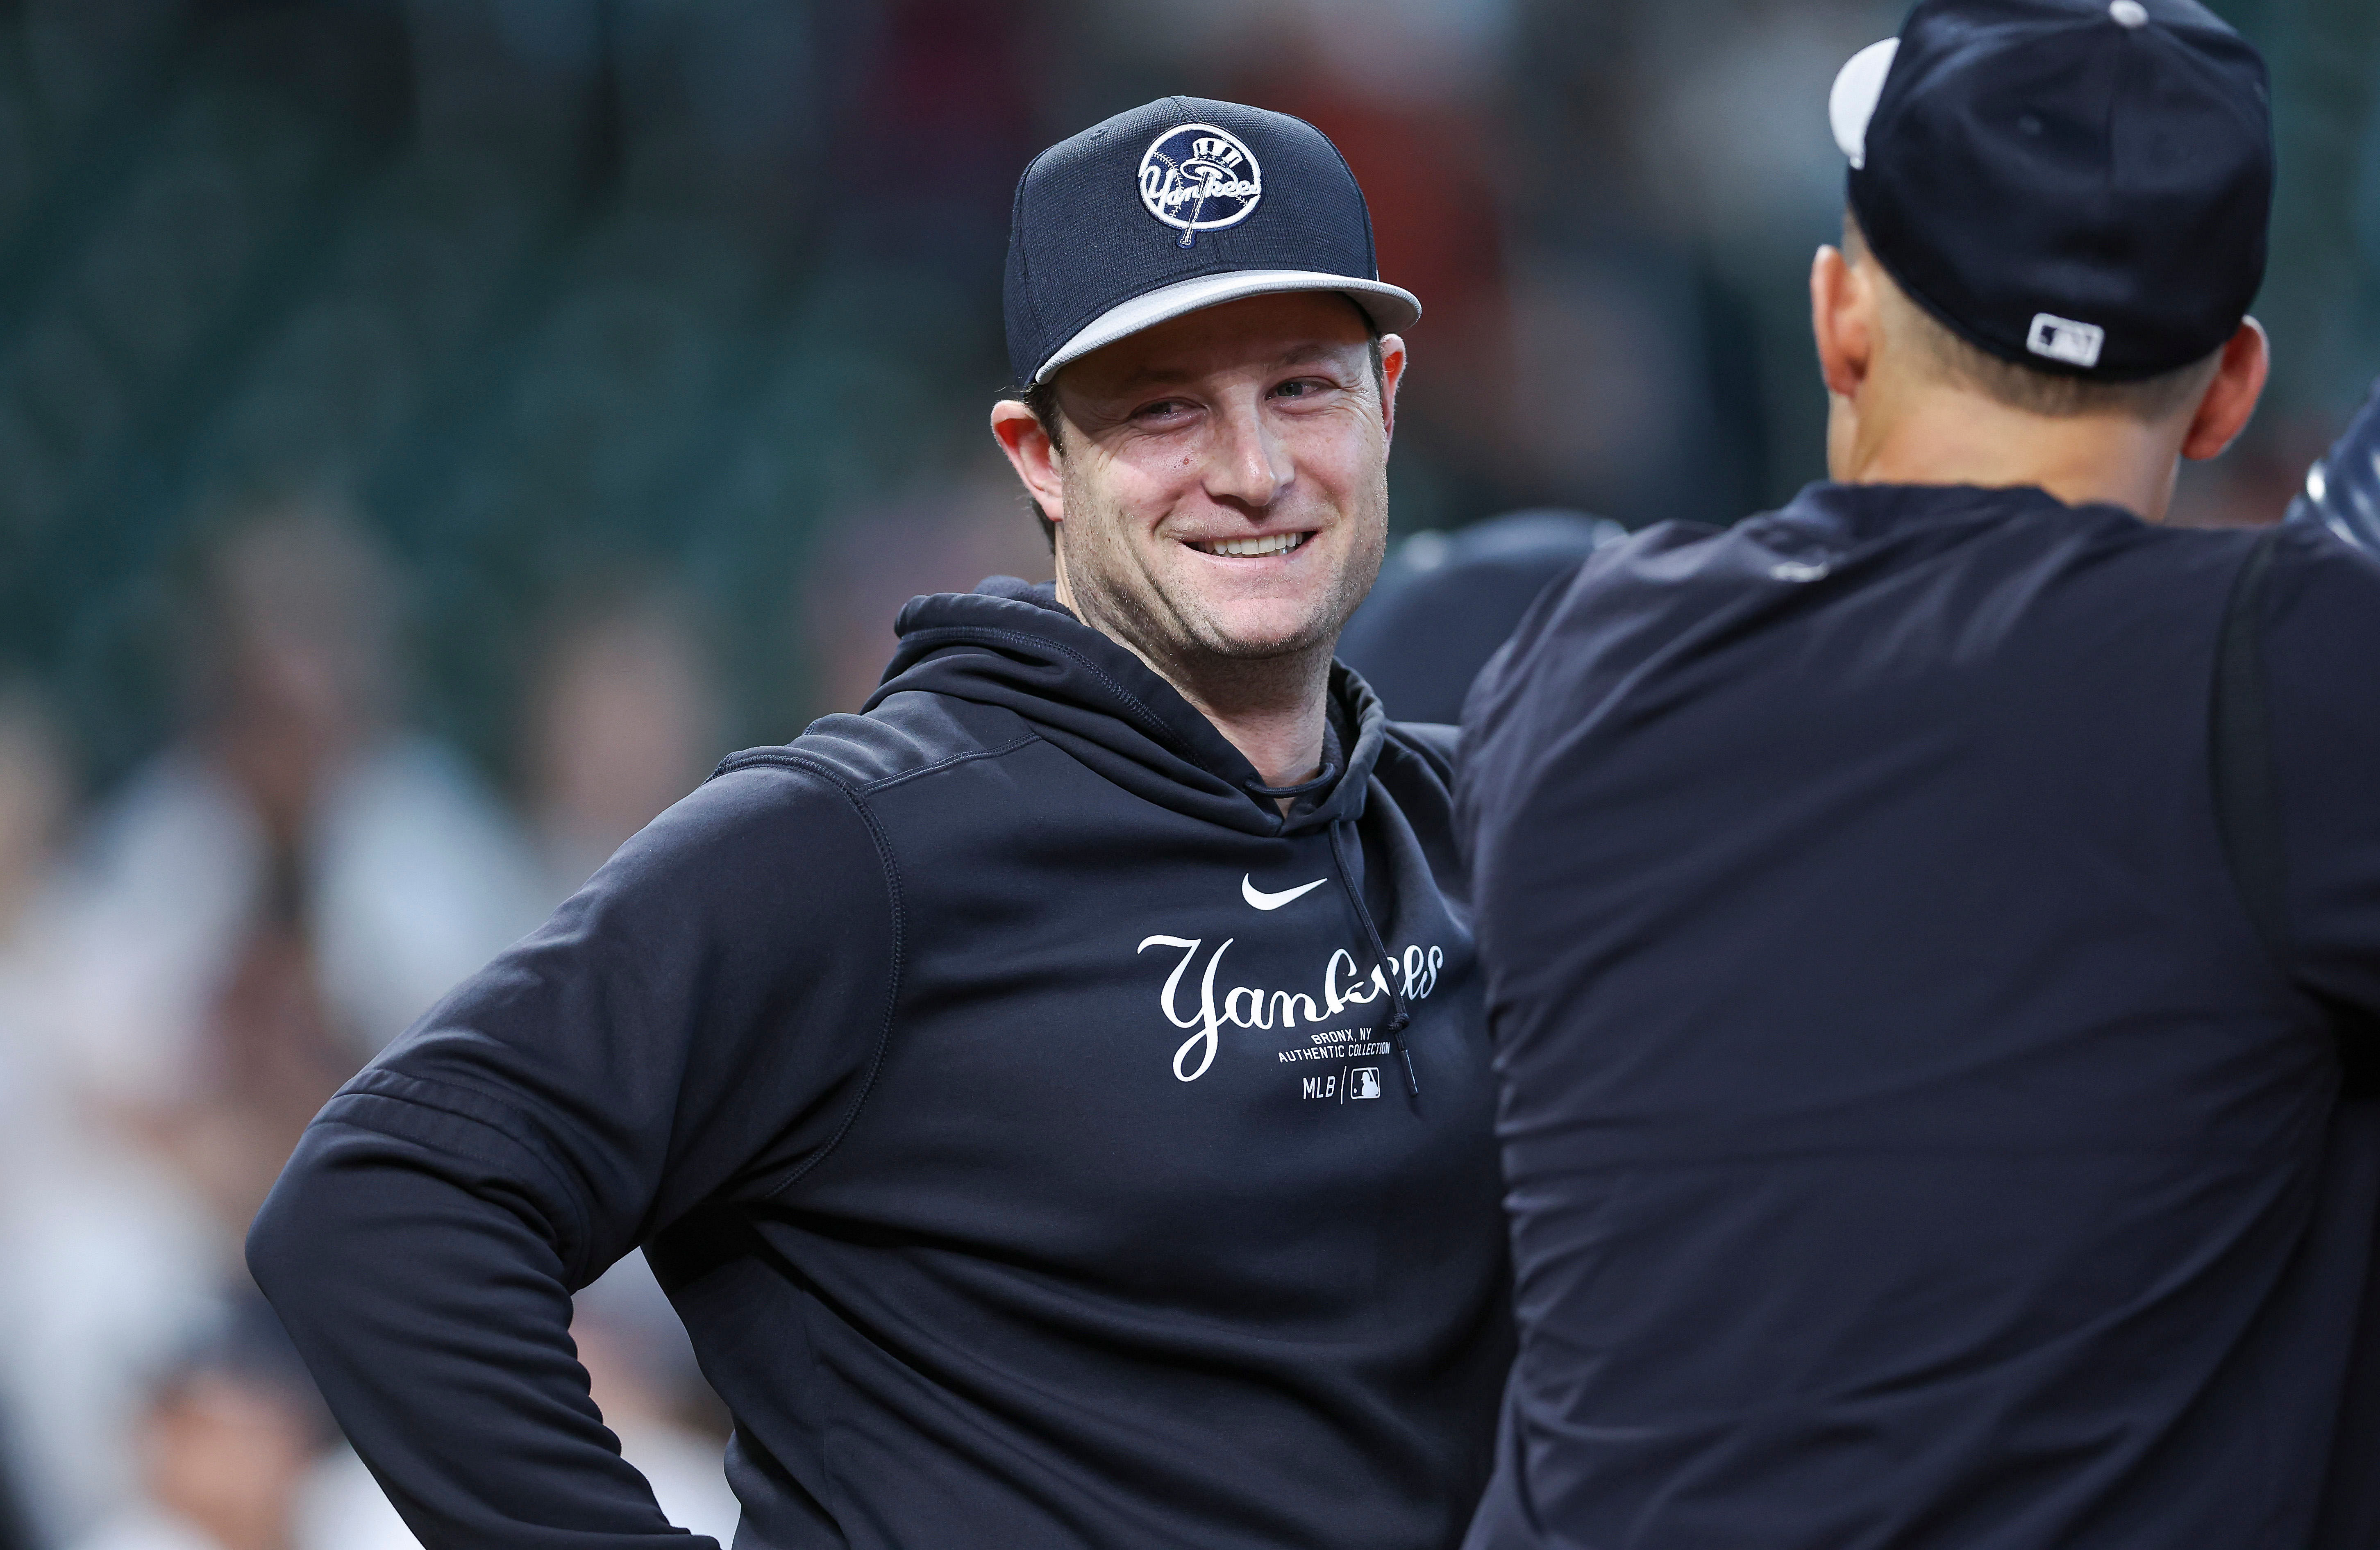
(1214, 643)
(1194, 646)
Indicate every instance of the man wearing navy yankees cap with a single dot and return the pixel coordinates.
(1056, 1098)
(1928, 927)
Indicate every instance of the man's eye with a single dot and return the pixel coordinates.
(1303, 387)
(1164, 409)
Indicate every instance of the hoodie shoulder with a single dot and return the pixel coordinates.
(1415, 772)
(1432, 742)
(906, 733)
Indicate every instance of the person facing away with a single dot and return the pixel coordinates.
(1056, 1098)
(1923, 925)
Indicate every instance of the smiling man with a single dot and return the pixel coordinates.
(1055, 1098)
(1216, 490)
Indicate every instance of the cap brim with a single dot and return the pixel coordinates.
(1850, 106)
(1389, 307)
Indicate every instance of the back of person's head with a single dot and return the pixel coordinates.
(1930, 349)
(2057, 208)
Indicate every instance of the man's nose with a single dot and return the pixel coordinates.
(1247, 464)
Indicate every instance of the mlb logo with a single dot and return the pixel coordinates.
(2077, 344)
(1364, 1081)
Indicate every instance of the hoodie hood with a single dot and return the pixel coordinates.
(1012, 644)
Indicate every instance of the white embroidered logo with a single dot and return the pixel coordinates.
(1243, 1007)
(1196, 178)
(1263, 901)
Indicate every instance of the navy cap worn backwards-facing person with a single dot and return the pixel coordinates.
(1924, 925)
(1055, 1098)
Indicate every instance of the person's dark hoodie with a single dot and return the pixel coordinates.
(1446, 602)
(1913, 1138)
(1013, 1102)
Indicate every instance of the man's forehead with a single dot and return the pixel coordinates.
(1254, 333)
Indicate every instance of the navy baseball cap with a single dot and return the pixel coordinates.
(2080, 186)
(1179, 204)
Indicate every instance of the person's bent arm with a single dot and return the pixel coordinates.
(693, 1026)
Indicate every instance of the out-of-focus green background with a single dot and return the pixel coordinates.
(559, 294)
(432, 432)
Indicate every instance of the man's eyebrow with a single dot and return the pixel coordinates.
(1153, 376)
(1316, 349)
(1164, 376)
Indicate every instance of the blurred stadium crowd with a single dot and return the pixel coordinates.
(432, 432)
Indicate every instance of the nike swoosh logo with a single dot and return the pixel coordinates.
(1262, 900)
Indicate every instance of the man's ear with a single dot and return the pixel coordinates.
(1029, 453)
(1393, 361)
(2231, 399)
(1843, 321)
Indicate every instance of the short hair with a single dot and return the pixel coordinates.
(2053, 394)
(1041, 397)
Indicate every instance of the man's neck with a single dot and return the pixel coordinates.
(1272, 709)
(1943, 436)
(1273, 712)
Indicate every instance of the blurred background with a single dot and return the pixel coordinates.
(433, 431)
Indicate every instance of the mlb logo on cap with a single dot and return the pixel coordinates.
(1179, 204)
(2077, 344)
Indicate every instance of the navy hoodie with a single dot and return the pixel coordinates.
(1912, 1141)
(1012, 1101)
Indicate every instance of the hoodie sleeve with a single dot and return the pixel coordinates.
(697, 1025)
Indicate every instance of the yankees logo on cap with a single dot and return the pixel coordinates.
(1198, 177)
(1179, 204)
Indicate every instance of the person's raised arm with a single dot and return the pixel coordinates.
(693, 1026)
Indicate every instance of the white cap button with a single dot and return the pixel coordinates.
(2128, 13)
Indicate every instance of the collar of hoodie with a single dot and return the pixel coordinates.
(1012, 644)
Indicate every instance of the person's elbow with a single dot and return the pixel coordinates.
(294, 1232)
(343, 1220)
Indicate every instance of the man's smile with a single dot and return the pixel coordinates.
(1251, 548)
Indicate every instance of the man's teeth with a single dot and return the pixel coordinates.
(1279, 543)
